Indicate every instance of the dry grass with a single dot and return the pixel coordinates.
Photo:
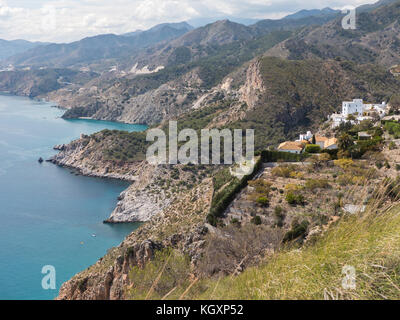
(369, 242)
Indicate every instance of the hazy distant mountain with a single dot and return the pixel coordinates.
(326, 12)
(201, 22)
(91, 49)
(203, 41)
(297, 20)
(369, 7)
(375, 39)
(10, 48)
(180, 26)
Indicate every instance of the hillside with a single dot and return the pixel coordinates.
(13, 47)
(168, 93)
(375, 39)
(93, 49)
(34, 83)
(258, 235)
(368, 243)
(281, 98)
(284, 231)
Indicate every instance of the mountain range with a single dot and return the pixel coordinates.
(173, 70)
(11, 48)
(104, 51)
(375, 39)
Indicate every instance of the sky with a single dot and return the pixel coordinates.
(71, 20)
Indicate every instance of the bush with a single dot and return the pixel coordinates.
(285, 171)
(313, 148)
(313, 184)
(297, 231)
(236, 222)
(274, 156)
(263, 201)
(295, 198)
(279, 216)
(344, 163)
(256, 220)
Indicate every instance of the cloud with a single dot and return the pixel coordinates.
(69, 20)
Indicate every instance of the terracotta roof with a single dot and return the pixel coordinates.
(330, 142)
(291, 145)
(320, 138)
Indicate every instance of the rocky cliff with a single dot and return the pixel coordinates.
(180, 226)
(153, 188)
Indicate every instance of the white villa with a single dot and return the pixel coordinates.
(306, 136)
(360, 110)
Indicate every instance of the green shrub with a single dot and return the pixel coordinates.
(279, 216)
(256, 220)
(235, 222)
(313, 148)
(297, 231)
(263, 201)
(313, 184)
(294, 198)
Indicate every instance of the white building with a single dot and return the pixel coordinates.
(360, 110)
(306, 136)
(352, 107)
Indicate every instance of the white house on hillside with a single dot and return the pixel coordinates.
(306, 136)
(358, 109)
(352, 107)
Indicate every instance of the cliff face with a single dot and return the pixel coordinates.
(180, 226)
(254, 86)
(153, 189)
(117, 101)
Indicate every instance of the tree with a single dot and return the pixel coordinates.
(314, 141)
(351, 117)
(345, 142)
(395, 103)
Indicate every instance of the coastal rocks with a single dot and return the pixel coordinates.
(180, 226)
(60, 147)
(82, 156)
(109, 284)
(40, 160)
(137, 206)
(141, 201)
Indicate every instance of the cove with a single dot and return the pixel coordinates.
(49, 216)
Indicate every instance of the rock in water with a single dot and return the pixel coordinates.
(40, 160)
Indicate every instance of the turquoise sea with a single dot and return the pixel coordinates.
(49, 216)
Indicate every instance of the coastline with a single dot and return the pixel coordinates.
(139, 202)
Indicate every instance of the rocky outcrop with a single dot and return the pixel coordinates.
(77, 155)
(153, 188)
(180, 226)
(254, 86)
(116, 100)
(138, 203)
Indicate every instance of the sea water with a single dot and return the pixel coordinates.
(48, 215)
